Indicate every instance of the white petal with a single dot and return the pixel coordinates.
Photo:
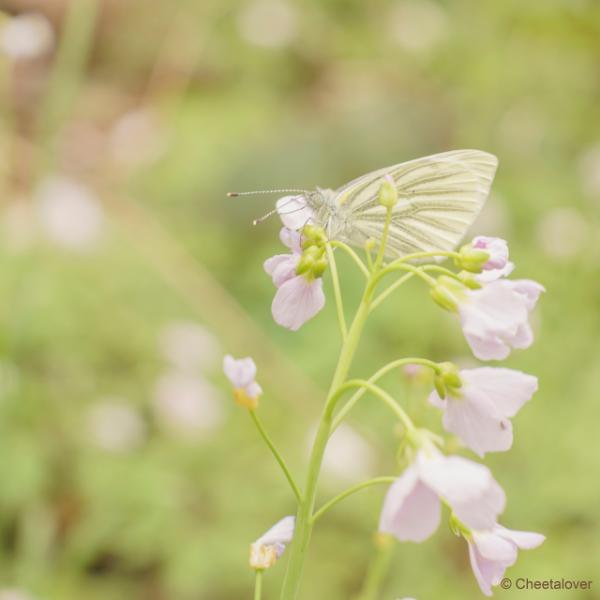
(507, 389)
(411, 511)
(281, 533)
(281, 267)
(297, 301)
(495, 547)
(526, 540)
(486, 571)
(294, 211)
(481, 513)
(292, 239)
(240, 372)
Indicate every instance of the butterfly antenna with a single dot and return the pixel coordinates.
(235, 194)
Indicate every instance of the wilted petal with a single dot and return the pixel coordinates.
(411, 511)
(294, 211)
(297, 301)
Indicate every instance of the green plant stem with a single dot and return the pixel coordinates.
(392, 288)
(376, 376)
(276, 454)
(356, 488)
(339, 303)
(383, 243)
(258, 584)
(378, 569)
(303, 529)
(350, 252)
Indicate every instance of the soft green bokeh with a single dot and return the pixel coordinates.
(267, 94)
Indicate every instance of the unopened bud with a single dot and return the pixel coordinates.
(469, 280)
(446, 293)
(471, 259)
(388, 194)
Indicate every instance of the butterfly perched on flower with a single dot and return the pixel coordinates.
(439, 197)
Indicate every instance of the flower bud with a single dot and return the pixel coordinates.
(319, 267)
(313, 236)
(370, 244)
(446, 293)
(472, 259)
(262, 556)
(243, 398)
(449, 378)
(388, 194)
(469, 280)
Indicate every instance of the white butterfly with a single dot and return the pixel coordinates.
(439, 197)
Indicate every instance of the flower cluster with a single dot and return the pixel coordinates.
(477, 404)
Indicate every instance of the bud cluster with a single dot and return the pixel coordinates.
(313, 262)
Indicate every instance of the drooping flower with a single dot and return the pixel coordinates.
(265, 551)
(297, 276)
(478, 411)
(497, 265)
(242, 373)
(491, 552)
(411, 510)
(494, 318)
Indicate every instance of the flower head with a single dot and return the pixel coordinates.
(497, 264)
(265, 551)
(241, 373)
(492, 551)
(298, 277)
(411, 510)
(294, 211)
(478, 412)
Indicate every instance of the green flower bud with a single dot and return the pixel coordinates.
(450, 377)
(468, 280)
(319, 267)
(388, 194)
(471, 259)
(313, 236)
(440, 388)
(446, 293)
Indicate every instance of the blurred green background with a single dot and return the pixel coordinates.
(126, 471)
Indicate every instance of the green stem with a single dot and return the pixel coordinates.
(390, 289)
(339, 303)
(303, 529)
(349, 492)
(384, 237)
(375, 377)
(378, 569)
(258, 584)
(277, 455)
(352, 255)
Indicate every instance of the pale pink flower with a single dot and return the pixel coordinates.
(497, 265)
(478, 412)
(495, 318)
(491, 552)
(298, 297)
(265, 551)
(282, 267)
(241, 373)
(411, 510)
(294, 211)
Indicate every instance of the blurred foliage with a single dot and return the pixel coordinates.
(158, 112)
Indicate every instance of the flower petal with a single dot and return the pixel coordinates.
(411, 511)
(240, 372)
(526, 540)
(294, 211)
(297, 301)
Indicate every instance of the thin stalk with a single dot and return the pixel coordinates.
(339, 303)
(258, 584)
(392, 288)
(277, 455)
(384, 237)
(375, 377)
(378, 570)
(349, 492)
(350, 252)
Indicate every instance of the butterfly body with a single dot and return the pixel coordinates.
(439, 197)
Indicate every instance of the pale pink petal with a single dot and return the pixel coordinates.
(411, 511)
(530, 289)
(526, 540)
(506, 389)
(294, 211)
(486, 571)
(240, 372)
(493, 274)
(435, 400)
(497, 249)
(253, 390)
(494, 547)
(482, 512)
(297, 301)
(292, 239)
(281, 267)
(477, 424)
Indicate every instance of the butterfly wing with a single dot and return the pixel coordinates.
(439, 197)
